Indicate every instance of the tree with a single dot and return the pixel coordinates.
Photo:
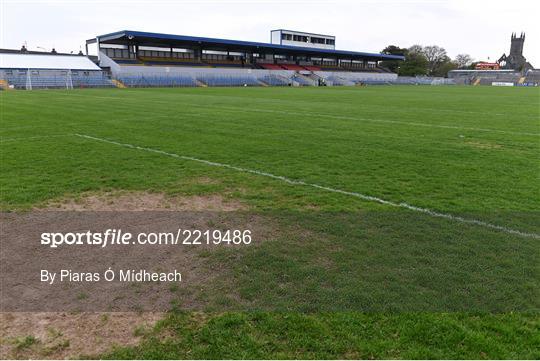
(394, 50)
(393, 65)
(443, 67)
(424, 60)
(415, 62)
(463, 61)
(416, 49)
(435, 56)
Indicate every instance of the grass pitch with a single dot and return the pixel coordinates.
(362, 285)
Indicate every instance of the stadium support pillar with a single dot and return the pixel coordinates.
(197, 54)
(132, 49)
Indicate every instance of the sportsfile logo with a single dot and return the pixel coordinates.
(109, 237)
(119, 237)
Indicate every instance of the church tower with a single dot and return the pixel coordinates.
(516, 44)
(515, 59)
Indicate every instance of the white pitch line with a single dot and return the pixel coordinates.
(329, 189)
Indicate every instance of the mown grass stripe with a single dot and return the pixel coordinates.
(331, 116)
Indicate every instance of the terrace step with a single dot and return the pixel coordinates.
(4, 84)
(118, 84)
(305, 80)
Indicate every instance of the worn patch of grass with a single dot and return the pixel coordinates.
(25, 342)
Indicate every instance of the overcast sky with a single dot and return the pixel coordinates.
(479, 28)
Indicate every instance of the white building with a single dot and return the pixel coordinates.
(299, 38)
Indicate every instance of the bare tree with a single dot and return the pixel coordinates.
(462, 61)
(416, 49)
(435, 56)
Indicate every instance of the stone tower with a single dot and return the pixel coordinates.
(516, 45)
(515, 60)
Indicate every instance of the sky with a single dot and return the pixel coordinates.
(481, 29)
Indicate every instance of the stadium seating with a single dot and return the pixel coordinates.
(489, 79)
(190, 62)
(174, 63)
(231, 65)
(141, 76)
(57, 79)
(336, 80)
(227, 80)
(141, 81)
(292, 67)
(17, 81)
(234, 62)
(231, 73)
(92, 81)
(128, 61)
(155, 76)
(303, 81)
(422, 80)
(275, 80)
(312, 68)
(151, 61)
(485, 77)
(271, 66)
(346, 77)
(331, 68)
(532, 76)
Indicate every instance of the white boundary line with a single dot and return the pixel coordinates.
(329, 189)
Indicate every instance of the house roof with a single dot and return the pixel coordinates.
(33, 61)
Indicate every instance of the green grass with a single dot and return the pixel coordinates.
(25, 342)
(334, 137)
(345, 277)
(338, 335)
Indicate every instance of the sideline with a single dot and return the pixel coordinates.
(329, 189)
